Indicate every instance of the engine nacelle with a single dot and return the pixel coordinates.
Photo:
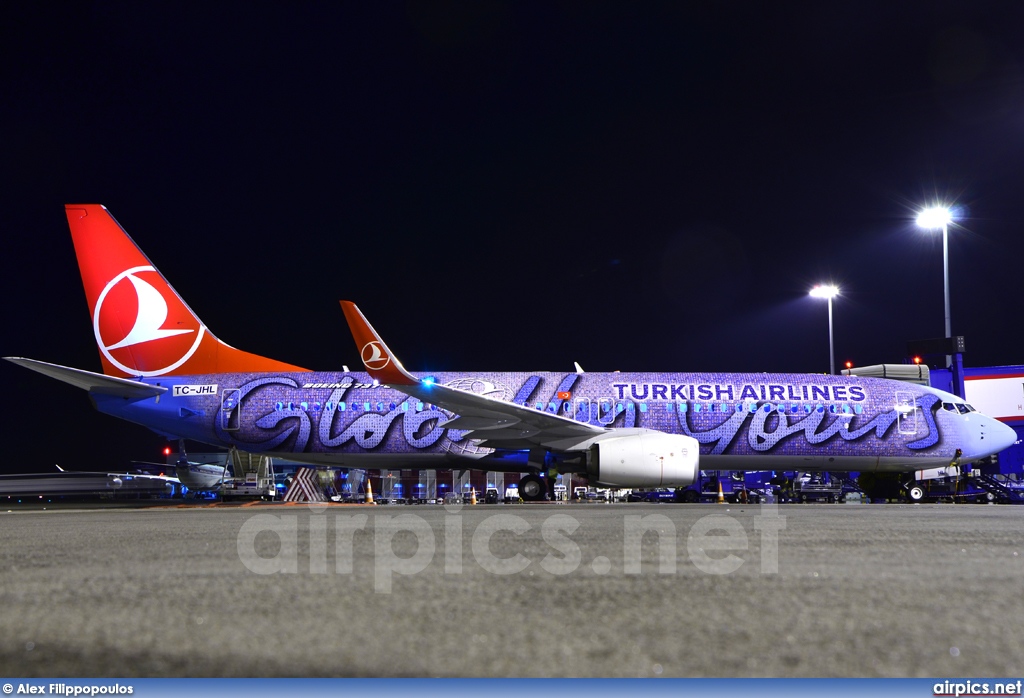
(644, 458)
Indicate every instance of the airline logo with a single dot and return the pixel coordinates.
(141, 325)
(373, 356)
(189, 390)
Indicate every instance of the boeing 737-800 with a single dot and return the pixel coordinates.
(164, 369)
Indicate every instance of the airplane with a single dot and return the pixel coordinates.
(196, 477)
(164, 369)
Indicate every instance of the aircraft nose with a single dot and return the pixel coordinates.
(1002, 436)
(986, 437)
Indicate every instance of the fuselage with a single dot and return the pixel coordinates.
(741, 421)
(200, 476)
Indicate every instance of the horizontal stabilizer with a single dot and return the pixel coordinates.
(96, 383)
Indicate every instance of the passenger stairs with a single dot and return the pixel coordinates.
(1003, 490)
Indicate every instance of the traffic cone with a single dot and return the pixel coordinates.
(472, 496)
(721, 497)
(369, 492)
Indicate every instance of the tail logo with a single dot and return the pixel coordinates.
(373, 356)
(148, 348)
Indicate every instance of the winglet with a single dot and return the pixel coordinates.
(380, 363)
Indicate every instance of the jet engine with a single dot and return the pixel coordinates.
(644, 458)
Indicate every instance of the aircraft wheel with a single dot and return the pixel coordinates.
(532, 489)
(803, 499)
(915, 493)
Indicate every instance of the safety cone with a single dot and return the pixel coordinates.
(472, 496)
(369, 492)
(721, 497)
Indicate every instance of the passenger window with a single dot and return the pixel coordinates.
(643, 406)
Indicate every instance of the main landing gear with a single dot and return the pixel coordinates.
(532, 488)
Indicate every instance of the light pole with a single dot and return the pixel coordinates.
(828, 292)
(932, 219)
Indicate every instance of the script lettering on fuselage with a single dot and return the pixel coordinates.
(726, 416)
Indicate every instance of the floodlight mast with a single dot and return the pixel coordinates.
(828, 291)
(932, 219)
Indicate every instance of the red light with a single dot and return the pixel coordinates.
(917, 359)
(849, 364)
(167, 450)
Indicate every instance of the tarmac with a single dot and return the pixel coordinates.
(541, 590)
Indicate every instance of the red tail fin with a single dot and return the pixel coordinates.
(379, 361)
(142, 326)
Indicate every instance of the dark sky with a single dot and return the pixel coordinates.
(634, 186)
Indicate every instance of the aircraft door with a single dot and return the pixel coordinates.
(230, 409)
(605, 410)
(906, 413)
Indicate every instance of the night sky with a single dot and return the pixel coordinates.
(510, 186)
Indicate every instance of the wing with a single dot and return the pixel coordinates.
(498, 423)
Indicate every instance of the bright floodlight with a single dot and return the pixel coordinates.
(934, 218)
(825, 292)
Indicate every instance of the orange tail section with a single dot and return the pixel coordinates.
(141, 324)
(380, 363)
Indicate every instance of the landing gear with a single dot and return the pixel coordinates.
(532, 488)
(915, 493)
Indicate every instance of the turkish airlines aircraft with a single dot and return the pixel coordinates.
(164, 369)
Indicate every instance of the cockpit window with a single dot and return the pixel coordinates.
(970, 408)
(948, 406)
(962, 407)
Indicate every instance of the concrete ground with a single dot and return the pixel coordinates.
(526, 590)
